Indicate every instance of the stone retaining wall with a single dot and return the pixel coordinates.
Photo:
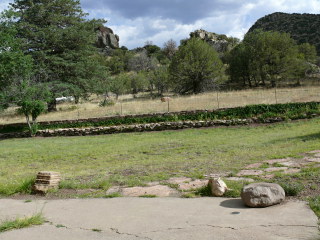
(101, 119)
(138, 128)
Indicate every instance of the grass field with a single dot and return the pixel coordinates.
(128, 105)
(137, 158)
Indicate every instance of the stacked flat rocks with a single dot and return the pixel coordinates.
(262, 194)
(45, 181)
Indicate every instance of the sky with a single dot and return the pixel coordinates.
(139, 21)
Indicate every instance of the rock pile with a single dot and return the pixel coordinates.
(45, 181)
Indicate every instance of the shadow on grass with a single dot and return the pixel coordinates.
(304, 138)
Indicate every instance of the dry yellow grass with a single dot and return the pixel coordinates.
(213, 100)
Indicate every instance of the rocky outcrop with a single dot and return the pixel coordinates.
(221, 43)
(262, 194)
(106, 38)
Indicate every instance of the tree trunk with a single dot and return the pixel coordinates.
(76, 99)
(52, 106)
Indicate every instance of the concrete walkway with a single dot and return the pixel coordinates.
(160, 218)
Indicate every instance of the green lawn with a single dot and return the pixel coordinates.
(136, 158)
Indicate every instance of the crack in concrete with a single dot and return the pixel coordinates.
(283, 225)
(240, 228)
(115, 230)
(163, 230)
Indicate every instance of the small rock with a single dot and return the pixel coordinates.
(262, 194)
(218, 187)
(249, 173)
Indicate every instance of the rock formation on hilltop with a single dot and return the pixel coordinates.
(304, 28)
(221, 43)
(106, 39)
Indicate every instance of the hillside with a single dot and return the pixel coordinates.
(302, 27)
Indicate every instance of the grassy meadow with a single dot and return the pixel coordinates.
(143, 104)
(99, 162)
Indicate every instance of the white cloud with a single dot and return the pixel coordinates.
(139, 21)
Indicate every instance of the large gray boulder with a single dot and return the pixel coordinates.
(262, 194)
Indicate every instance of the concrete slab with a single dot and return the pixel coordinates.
(161, 218)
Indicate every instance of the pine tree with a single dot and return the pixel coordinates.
(59, 38)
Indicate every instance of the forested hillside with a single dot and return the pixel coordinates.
(304, 28)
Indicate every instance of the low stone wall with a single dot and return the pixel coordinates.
(138, 128)
(100, 119)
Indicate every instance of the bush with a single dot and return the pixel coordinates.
(292, 189)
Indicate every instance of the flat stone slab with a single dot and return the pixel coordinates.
(268, 176)
(217, 175)
(179, 180)
(315, 151)
(240, 179)
(158, 190)
(192, 185)
(253, 165)
(249, 173)
(291, 164)
(292, 170)
(313, 160)
(272, 161)
(161, 218)
(275, 169)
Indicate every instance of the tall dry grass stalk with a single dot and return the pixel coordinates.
(213, 100)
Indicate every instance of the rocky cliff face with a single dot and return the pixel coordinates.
(106, 38)
(221, 43)
(304, 28)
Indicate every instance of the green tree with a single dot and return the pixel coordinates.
(194, 67)
(268, 58)
(120, 84)
(309, 52)
(160, 80)
(138, 82)
(13, 63)
(118, 61)
(59, 38)
(31, 97)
